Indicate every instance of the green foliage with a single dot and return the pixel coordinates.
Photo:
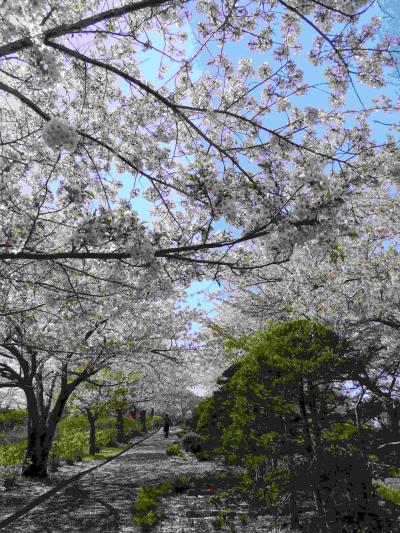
(257, 418)
(73, 423)
(220, 520)
(105, 436)
(131, 426)
(73, 436)
(341, 436)
(175, 449)
(13, 417)
(393, 472)
(145, 509)
(152, 421)
(69, 442)
(337, 253)
(12, 454)
(191, 442)
(389, 493)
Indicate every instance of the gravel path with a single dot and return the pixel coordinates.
(100, 501)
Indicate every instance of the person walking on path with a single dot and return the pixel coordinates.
(166, 424)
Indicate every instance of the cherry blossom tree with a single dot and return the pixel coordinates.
(201, 147)
(49, 351)
(238, 172)
(353, 288)
(107, 391)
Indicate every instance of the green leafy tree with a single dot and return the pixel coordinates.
(283, 401)
(109, 391)
(121, 397)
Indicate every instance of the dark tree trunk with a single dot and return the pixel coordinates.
(92, 433)
(143, 419)
(120, 426)
(312, 455)
(40, 434)
(36, 454)
(393, 412)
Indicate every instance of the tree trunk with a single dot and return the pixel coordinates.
(313, 461)
(40, 435)
(393, 412)
(36, 453)
(92, 433)
(120, 426)
(143, 419)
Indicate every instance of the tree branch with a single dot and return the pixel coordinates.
(64, 29)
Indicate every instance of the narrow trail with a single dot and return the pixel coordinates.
(101, 500)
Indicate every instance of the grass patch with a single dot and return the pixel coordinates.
(389, 493)
(393, 472)
(105, 453)
(175, 449)
(146, 507)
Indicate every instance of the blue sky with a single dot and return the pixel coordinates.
(317, 97)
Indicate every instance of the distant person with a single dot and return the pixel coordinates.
(143, 420)
(166, 425)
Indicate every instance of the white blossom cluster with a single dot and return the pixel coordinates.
(141, 250)
(222, 202)
(47, 66)
(19, 7)
(59, 134)
(21, 18)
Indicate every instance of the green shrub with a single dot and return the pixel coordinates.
(73, 423)
(68, 444)
(393, 472)
(152, 421)
(389, 493)
(181, 483)
(9, 474)
(131, 426)
(175, 449)
(220, 520)
(104, 437)
(191, 442)
(72, 438)
(181, 433)
(12, 418)
(145, 509)
(12, 454)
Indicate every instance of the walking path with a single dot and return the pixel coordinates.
(101, 500)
